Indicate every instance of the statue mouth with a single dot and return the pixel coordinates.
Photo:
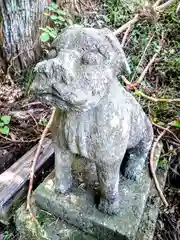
(56, 99)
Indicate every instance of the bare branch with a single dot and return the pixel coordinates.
(165, 5)
(125, 36)
(158, 99)
(153, 171)
(143, 55)
(126, 25)
(31, 178)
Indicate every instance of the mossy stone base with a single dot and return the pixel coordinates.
(88, 217)
(78, 207)
(46, 227)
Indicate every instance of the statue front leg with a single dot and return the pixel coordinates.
(63, 162)
(108, 175)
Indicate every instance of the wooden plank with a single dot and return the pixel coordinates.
(13, 181)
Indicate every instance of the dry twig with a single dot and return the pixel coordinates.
(76, 7)
(126, 35)
(165, 5)
(133, 86)
(152, 168)
(126, 25)
(157, 99)
(167, 130)
(143, 74)
(20, 141)
(143, 55)
(137, 16)
(157, 3)
(31, 178)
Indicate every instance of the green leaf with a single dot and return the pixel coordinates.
(53, 33)
(176, 123)
(53, 17)
(61, 12)
(54, 6)
(4, 130)
(48, 29)
(161, 123)
(163, 163)
(139, 93)
(43, 122)
(44, 37)
(1, 124)
(108, 20)
(178, 114)
(62, 19)
(5, 119)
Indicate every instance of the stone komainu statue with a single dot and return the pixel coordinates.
(96, 118)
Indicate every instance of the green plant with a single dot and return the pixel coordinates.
(43, 122)
(59, 19)
(120, 11)
(163, 163)
(6, 235)
(176, 122)
(4, 122)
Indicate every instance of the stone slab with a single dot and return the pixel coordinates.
(47, 228)
(78, 208)
(55, 229)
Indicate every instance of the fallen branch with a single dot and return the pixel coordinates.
(165, 5)
(137, 16)
(125, 36)
(133, 86)
(143, 74)
(142, 58)
(152, 168)
(129, 85)
(157, 99)
(139, 93)
(76, 7)
(157, 3)
(167, 130)
(31, 177)
(20, 141)
(126, 25)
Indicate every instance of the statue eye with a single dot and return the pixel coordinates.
(91, 59)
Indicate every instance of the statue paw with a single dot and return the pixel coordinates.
(134, 174)
(109, 207)
(63, 188)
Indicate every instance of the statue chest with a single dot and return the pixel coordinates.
(80, 133)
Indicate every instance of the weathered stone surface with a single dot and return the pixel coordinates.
(148, 222)
(78, 208)
(49, 227)
(96, 118)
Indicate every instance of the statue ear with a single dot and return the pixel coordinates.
(118, 59)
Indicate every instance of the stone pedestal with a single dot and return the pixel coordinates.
(137, 217)
(47, 227)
